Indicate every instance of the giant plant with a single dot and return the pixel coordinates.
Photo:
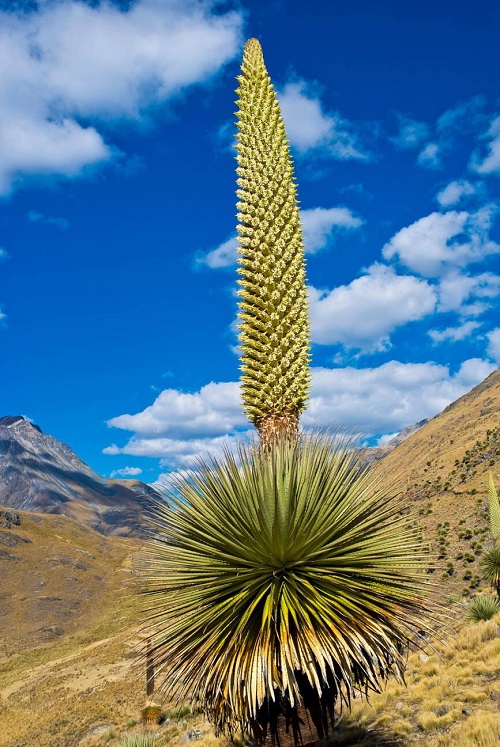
(490, 562)
(281, 579)
(284, 578)
(274, 325)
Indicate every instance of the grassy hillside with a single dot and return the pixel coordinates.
(66, 618)
(68, 614)
(442, 470)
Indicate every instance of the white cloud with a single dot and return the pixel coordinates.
(383, 440)
(440, 241)
(126, 472)
(388, 398)
(213, 411)
(365, 312)
(181, 453)
(224, 255)
(68, 60)
(430, 156)
(319, 226)
(454, 192)
(3, 317)
(454, 334)
(464, 117)
(372, 401)
(3, 253)
(460, 292)
(411, 133)
(310, 128)
(494, 345)
(488, 163)
(35, 217)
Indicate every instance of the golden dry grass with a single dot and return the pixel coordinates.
(79, 688)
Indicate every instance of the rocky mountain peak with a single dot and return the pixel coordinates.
(40, 473)
(18, 421)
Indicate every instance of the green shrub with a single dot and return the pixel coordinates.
(140, 740)
(151, 715)
(483, 608)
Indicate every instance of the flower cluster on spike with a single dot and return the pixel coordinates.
(273, 310)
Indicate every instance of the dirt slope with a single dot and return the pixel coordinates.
(442, 469)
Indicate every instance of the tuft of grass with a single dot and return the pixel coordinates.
(140, 740)
(483, 608)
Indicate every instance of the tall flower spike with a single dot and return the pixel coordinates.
(273, 310)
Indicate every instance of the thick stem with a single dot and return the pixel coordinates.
(278, 426)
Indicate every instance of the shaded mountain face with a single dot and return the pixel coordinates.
(40, 473)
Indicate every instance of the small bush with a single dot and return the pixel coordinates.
(483, 608)
(490, 565)
(140, 740)
(151, 715)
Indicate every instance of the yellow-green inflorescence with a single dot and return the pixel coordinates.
(273, 309)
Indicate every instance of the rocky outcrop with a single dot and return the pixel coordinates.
(40, 473)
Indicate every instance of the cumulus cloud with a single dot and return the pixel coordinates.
(213, 411)
(126, 472)
(179, 453)
(388, 398)
(430, 156)
(454, 334)
(440, 241)
(488, 162)
(310, 128)
(319, 227)
(364, 313)
(372, 401)
(468, 294)
(50, 220)
(224, 255)
(68, 62)
(464, 117)
(455, 192)
(494, 345)
(411, 133)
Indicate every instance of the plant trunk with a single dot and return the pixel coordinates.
(278, 426)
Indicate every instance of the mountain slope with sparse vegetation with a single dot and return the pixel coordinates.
(67, 676)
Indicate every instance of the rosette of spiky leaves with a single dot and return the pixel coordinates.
(490, 567)
(277, 579)
(483, 607)
(273, 311)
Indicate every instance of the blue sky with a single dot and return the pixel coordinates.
(117, 214)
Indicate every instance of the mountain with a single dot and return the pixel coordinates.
(39, 473)
(442, 471)
(453, 451)
(379, 452)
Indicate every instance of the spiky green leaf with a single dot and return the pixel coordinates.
(490, 565)
(280, 570)
(483, 608)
